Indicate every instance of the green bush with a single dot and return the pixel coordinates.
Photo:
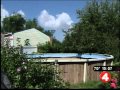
(114, 75)
(27, 74)
(102, 85)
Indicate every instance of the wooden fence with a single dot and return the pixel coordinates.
(76, 72)
(79, 71)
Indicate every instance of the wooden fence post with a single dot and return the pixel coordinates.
(85, 72)
(111, 62)
(104, 63)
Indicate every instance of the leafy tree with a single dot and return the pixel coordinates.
(97, 29)
(13, 23)
(24, 74)
(16, 23)
(31, 24)
(40, 28)
(54, 47)
(49, 33)
(34, 24)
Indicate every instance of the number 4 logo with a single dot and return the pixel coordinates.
(105, 76)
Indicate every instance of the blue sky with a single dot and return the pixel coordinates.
(54, 10)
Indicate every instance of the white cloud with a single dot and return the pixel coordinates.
(58, 22)
(21, 13)
(4, 13)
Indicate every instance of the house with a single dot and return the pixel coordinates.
(29, 39)
(33, 36)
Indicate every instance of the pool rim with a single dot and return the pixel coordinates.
(64, 59)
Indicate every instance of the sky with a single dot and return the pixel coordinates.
(55, 15)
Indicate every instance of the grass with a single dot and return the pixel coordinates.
(87, 85)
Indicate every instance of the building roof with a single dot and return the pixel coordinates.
(35, 36)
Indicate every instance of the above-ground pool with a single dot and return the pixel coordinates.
(81, 57)
(75, 67)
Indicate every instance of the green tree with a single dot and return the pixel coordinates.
(16, 23)
(48, 32)
(34, 24)
(31, 24)
(54, 47)
(24, 74)
(97, 29)
(13, 23)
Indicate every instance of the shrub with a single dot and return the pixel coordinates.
(27, 74)
(115, 79)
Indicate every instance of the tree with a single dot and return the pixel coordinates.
(34, 24)
(55, 47)
(16, 23)
(49, 33)
(97, 29)
(13, 23)
(24, 74)
(31, 24)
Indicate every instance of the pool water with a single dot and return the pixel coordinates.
(68, 55)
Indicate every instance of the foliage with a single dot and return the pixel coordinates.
(28, 74)
(92, 85)
(117, 73)
(53, 47)
(13, 23)
(16, 23)
(27, 42)
(114, 75)
(48, 32)
(97, 30)
(33, 24)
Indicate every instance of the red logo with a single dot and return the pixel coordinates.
(105, 77)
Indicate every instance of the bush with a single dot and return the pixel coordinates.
(115, 76)
(27, 74)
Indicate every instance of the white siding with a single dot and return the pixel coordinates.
(35, 37)
(29, 49)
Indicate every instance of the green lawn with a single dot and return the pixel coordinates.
(90, 85)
